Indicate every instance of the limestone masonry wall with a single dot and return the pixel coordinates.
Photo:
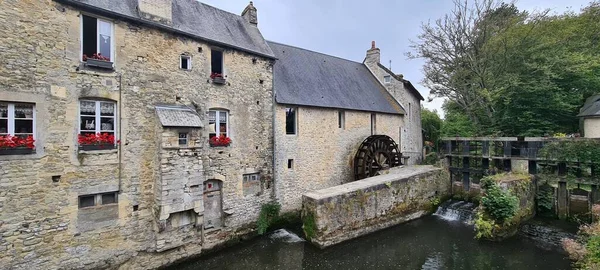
(344, 212)
(322, 153)
(41, 224)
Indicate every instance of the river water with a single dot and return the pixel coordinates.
(428, 243)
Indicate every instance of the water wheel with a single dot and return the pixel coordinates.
(375, 154)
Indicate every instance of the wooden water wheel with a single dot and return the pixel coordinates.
(375, 154)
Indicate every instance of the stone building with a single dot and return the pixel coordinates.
(148, 129)
(170, 75)
(325, 108)
(590, 115)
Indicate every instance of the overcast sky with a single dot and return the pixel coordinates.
(345, 28)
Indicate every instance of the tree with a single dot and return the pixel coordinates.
(456, 122)
(431, 123)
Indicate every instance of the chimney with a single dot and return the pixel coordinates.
(249, 14)
(156, 10)
(373, 55)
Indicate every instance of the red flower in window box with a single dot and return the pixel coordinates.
(12, 142)
(216, 75)
(101, 140)
(220, 141)
(96, 56)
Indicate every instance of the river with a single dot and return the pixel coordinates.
(428, 243)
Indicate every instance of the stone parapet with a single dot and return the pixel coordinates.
(343, 212)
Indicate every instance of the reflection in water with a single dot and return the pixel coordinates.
(427, 243)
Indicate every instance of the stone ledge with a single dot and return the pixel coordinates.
(98, 152)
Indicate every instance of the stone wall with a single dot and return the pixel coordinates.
(41, 225)
(344, 212)
(411, 141)
(322, 152)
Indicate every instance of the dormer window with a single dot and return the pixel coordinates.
(387, 79)
(97, 42)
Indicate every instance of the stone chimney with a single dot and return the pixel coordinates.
(156, 10)
(373, 55)
(249, 14)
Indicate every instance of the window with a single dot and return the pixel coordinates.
(373, 123)
(218, 120)
(251, 184)
(97, 117)
(387, 79)
(290, 121)
(183, 139)
(341, 119)
(97, 199)
(17, 119)
(185, 62)
(96, 37)
(409, 111)
(216, 61)
(290, 163)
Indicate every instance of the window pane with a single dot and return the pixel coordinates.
(24, 111)
(107, 124)
(212, 116)
(87, 107)
(3, 110)
(88, 123)
(290, 121)
(87, 201)
(109, 198)
(223, 117)
(24, 126)
(223, 128)
(183, 138)
(104, 38)
(3, 126)
(89, 35)
(107, 109)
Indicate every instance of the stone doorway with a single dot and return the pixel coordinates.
(213, 204)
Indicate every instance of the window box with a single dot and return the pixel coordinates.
(217, 141)
(99, 63)
(16, 151)
(94, 147)
(219, 80)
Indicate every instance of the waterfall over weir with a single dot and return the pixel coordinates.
(452, 210)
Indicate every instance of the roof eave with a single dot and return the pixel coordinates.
(336, 108)
(109, 13)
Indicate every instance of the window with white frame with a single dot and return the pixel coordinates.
(185, 62)
(183, 138)
(97, 116)
(218, 121)
(17, 119)
(387, 79)
(98, 199)
(96, 38)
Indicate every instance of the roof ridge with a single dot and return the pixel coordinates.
(296, 47)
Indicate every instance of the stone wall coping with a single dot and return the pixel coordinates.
(394, 175)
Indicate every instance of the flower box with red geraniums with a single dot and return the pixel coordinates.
(15, 145)
(97, 60)
(219, 141)
(217, 78)
(91, 142)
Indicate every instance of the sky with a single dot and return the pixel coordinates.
(345, 28)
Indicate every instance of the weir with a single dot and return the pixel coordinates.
(343, 212)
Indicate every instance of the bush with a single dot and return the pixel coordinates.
(484, 227)
(499, 204)
(269, 213)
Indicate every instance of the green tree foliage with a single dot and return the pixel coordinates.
(431, 123)
(512, 72)
(499, 204)
(456, 122)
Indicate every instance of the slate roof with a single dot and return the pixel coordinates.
(303, 77)
(407, 83)
(591, 107)
(191, 18)
(178, 116)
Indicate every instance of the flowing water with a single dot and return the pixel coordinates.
(441, 241)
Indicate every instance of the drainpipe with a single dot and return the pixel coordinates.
(120, 131)
(274, 113)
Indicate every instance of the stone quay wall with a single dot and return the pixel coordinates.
(340, 213)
